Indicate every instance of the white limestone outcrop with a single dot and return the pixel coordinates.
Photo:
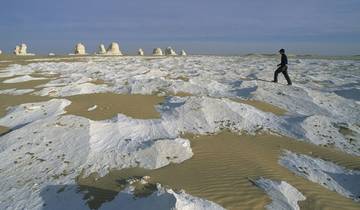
(141, 52)
(113, 49)
(170, 51)
(21, 50)
(183, 53)
(80, 49)
(102, 49)
(17, 50)
(51, 54)
(157, 52)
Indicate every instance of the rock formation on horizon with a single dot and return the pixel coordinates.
(79, 49)
(141, 52)
(21, 50)
(183, 53)
(51, 54)
(0, 52)
(17, 50)
(113, 49)
(170, 51)
(157, 51)
(102, 49)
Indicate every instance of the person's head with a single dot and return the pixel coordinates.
(282, 51)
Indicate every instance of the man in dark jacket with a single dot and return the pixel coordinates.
(282, 68)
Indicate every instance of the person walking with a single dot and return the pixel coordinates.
(282, 68)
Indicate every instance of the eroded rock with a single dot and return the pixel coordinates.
(102, 49)
(141, 52)
(157, 52)
(170, 51)
(113, 49)
(80, 49)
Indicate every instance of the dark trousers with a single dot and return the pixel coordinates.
(282, 69)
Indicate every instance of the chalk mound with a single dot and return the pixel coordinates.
(160, 198)
(328, 174)
(113, 49)
(170, 51)
(17, 50)
(156, 197)
(282, 194)
(102, 49)
(141, 52)
(51, 54)
(79, 49)
(0, 52)
(21, 50)
(183, 53)
(157, 51)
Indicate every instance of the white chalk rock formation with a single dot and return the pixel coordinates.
(17, 50)
(23, 49)
(0, 52)
(329, 175)
(183, 53)
(157, 51)
(170, 51)
(282, 194)
(113, 49)
(102, 49)
(51, 54)
(141, 52)
(80, 49)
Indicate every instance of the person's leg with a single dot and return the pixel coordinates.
(276, 74)
(286, 75)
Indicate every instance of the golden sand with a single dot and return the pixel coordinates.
(3, 130)
(11, 100)
(23, 85)
(222, 165)
(109, 105)
(263, 106)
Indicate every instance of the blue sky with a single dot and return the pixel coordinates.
(199, 26)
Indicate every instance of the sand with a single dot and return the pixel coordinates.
(266, 107)
(221, 167)
(108, 105)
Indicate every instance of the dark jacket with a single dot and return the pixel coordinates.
(284, 60)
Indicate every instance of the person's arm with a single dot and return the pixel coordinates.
(281, 61)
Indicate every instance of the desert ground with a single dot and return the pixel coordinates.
(185, 132)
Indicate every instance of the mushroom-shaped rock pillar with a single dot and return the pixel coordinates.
(101, 49)
(141, 52)
(113, 49)
(17, 50)
(169, 51)
(183, 53)
(157, 52)
(80, 49)
(23, 49)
